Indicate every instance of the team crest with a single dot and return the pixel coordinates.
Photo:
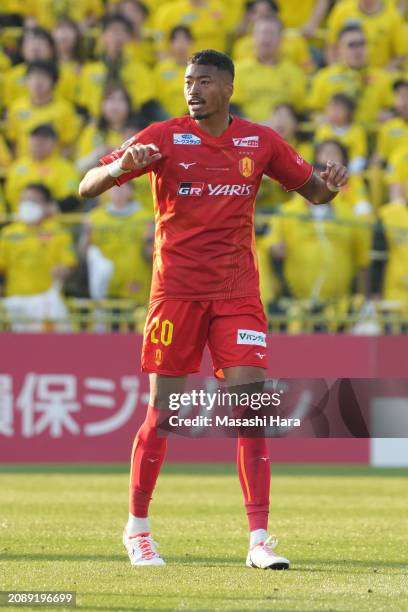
(246, 166)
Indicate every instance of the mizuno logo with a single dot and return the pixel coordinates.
(187, 166)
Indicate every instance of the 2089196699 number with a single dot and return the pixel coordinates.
(38, 598)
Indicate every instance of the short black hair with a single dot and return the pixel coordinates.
(251, 4)
(45, 130)
(351, 26)
(288, 107)
(341, 98)
(45, 66)
(42, 189)
(332, 141)
(116, 18)
(210, 57)
(181, 29)
(399, 84)
(272, 5)
(38, 32)
(141, 5)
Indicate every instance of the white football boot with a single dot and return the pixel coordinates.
(142, 549)
(263, 556)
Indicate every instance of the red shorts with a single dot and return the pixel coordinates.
(177, 331)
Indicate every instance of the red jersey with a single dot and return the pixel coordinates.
(204, 190)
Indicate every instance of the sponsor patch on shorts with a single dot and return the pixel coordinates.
(251, 337)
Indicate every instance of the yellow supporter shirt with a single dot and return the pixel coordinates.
(395, 221)
(234, 12)
(269, 284)
(136, 77)
(47, 12)
(4, 66)
(14, 84)
(271, 195)
(5, 62)
(55, 172)
(19, 7)
(260, 87)
(295, 14)
(3, 207)
(23, 117)
(121, 238)
(385, 31)
(141, 51)
(353, 137)
(392, 135)
(321, 255)
(209, 23)
(28, 256)
(5, 156)
(397, 169)
(355, 197)
(294, 48)
(169, 85)
(371, 89)
(92, 137)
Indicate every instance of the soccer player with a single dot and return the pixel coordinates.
(205, 171)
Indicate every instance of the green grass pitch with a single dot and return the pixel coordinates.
(345, 530)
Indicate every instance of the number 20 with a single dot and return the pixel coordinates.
(166, 332)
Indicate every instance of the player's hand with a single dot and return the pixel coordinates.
(335, 175)
(139, 156)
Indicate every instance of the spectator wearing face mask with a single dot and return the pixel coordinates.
(36, 256)
(44, 165)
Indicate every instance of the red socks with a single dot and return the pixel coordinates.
(148, 454)
(254, 476)
(149, 449)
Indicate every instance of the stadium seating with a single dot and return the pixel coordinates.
(316, 72)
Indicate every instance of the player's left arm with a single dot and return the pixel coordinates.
(323, 187)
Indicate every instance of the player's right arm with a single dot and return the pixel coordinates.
(136, 157)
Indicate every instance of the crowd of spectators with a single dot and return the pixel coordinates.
(79, 77)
